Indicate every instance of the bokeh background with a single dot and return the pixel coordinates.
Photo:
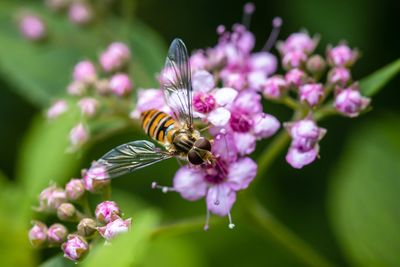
(345, 205)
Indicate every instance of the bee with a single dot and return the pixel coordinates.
(175, 133)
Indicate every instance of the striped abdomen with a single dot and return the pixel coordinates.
(158, 125)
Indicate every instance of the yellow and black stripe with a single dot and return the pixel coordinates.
(158, 125)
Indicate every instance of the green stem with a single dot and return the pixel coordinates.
(272, 228)
(87, 210)
(107, 192)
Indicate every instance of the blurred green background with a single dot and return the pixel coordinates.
(345, 205)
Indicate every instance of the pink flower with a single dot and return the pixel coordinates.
(149, 99)
(74, 189)
(198, 60)
(294, 59)
(120, 84)
(274, 87)
(311, 93)
(32, 27)
(339, 76)
(80, 13)
(84, 71)
(38, 234)
(59, 107)
(299, 41)
(295, 77)
(342, 55)
(96, 178)
(116, 56)
(217, 183)
(203, 102)
(88, 106)
(51, 198)
(350, 102)
(105, 210)
(57, 233)
(78, 135)
(304, 146)
(264, 62)
(114, 228)
(75, 248)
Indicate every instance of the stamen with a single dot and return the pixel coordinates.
(231, 225)
(164, 189)
(273, 36)
(206, 225)
(248, 10)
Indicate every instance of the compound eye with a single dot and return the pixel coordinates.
(203, 143)
(194, 158)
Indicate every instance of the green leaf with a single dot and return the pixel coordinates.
(129, 248)
(364, 197)
(373, 83)
(40, 72)
(58, 261)
(43, 156)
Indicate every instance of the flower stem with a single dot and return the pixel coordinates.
(272, 228)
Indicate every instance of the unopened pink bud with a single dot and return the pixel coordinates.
(316, 64)
(84, 71)
(299, 41)
(120, 84)
(59, 107)
(80, 13)
(66, 212)
(342, 55)
(294, 59)
(38, 234)
(57, 233)
(51, 198)
(96, 178)
(274, 87)
(74, 189)
(350, 102)
(116, 56)
(339, 76)
(311, 93)
(78, 135)
(105, 210)
(114, 228)
(296, 77)
(88, 106)
(75, 248)
(32, 27)
(76, 88)
(86, 227)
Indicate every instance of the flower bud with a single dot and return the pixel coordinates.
(96, 178)
(84, 71)
(294, 59)
(198, 60)
(102, 86)
(342, 56)
(74, 189)
(114, 228)
(75, 248)
(295, 77)
(32, 27)
(76, 88)
(116, 56)
(86, 227)
(57, 234)
(105, 210)
(274, 87)
(339, 76)
(305, 134)
(80, 13)
(51, 198)
(350, 102)
(59, 107)
(311, 93)
(299, 41)
(316, 64)
(120, 84)
(78, 135)
(88, 106)
(38, 234)
(66, 212)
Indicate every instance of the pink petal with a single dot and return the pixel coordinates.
(245, 143)
(220, 199)
(219, 116)
(265, 125)
(202, 81)
(224, 146)
(298, 159)
(241, 173)
(225, 96)
(189, 182)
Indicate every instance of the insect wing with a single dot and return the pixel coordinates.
(129, 157)
(175, 80)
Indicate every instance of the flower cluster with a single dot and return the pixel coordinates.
(311, 78)
(70, 206)
(97, 88)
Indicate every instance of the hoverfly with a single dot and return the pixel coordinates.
(177, 133)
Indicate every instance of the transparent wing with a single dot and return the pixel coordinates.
(175, 80)
(129, 157)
